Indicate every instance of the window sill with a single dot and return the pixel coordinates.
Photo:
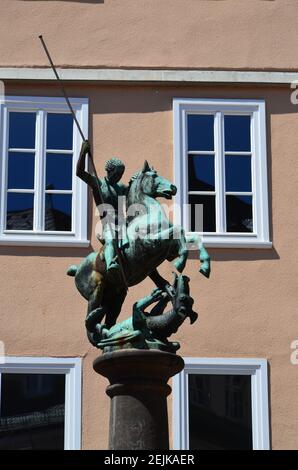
(47, 240)
(232, 241)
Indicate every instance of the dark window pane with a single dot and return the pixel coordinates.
(206, 204)
(239, 214)
(238, 173)
(59, 131)
(200, 132)
(22, 130)
(201, 173)
(237, 134)
(21, 170)
(32, 411)
(220, 416)
(19, 211)
(58, 212)
(58, 171)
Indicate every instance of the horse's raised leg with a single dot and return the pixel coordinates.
(177, 247)
(204, 257)
(182, 249)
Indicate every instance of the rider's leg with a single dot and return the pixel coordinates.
(109, 235)
(110, 255)
(112, 265)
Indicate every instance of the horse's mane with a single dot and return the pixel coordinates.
(135, 194)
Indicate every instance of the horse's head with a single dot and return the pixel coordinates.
(149, 183)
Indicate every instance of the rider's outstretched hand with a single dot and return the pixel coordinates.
(86, 147)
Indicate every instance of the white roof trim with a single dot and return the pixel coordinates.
(149, 75)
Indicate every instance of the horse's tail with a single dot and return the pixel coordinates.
(72, 270)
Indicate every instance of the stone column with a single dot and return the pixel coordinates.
(138, 390)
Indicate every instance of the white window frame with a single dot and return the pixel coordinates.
(256, 109)
(38, 237)
(256, 368)
(72, 368)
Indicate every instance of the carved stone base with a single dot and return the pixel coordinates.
(138, 390)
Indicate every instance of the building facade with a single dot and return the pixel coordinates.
(205, 91)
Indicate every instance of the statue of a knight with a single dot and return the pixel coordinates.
(107, 191)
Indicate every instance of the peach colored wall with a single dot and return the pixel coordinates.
(249, 34)
(248, 308)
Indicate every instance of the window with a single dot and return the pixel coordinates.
(221, 404)
(40, 405)
(220, 167)
(42, 201)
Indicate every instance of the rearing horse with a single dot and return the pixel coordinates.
(152, 240)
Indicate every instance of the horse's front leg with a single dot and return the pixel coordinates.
(204, 257)
(179, 238)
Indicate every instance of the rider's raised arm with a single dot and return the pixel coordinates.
(81, 172)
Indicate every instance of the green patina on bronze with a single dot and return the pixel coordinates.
(125, 260)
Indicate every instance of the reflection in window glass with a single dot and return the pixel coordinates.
(201, 173)
(19, 211)
(200, 132)
(239, 214)
(22, 130)
(59, 131)
(220, 415)
(20, 170)
(237, 133)
(58, 171)
(32, 411)
(58, 212)
(206, 204)
(238, 173)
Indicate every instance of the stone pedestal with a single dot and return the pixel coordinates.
(138, 390)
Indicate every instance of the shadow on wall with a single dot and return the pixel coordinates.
(47, 251)
(69, 1)
(269, 402)
(156, 97)
(238, 254)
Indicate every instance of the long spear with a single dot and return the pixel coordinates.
(93, 169)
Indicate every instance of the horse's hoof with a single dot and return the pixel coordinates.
(205, 272)
(193, 317)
